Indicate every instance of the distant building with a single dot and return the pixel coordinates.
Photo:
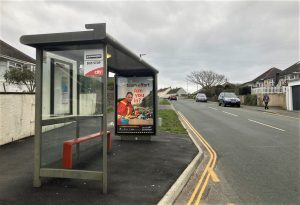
(177, 92)
(11, 57)
(162, 93)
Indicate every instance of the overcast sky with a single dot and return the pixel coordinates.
(240, 39)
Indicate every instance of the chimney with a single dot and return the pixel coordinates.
(276, 79)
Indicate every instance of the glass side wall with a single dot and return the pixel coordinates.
(72, 108)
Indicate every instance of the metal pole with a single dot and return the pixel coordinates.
(187, 86)
(155, 103)
(104, 120)
(38, 117)
(77, 107)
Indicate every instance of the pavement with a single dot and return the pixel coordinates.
(274, 110)
(138, 172)
(258, 152)
(165, 107)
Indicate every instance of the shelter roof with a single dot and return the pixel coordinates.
(123, 61)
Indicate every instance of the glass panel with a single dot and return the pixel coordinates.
(72, 107)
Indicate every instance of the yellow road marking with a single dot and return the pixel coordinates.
(214, 176)
(230, 204)
(208, 171)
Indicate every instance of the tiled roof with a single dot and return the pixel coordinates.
(292, 69)
(8, 50)
(271, 73)
(162, 89)
(173, 91)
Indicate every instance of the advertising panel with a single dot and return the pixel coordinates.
(93, 62)
(61, 87)
(135, 105)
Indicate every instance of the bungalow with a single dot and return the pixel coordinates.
(177, 92)
(11, 57)
(162, 93)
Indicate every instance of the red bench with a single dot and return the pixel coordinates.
(67, 147)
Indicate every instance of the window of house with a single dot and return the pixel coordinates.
(3, 68)
(12, 65)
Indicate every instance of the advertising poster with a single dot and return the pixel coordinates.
(61, 87)
(93, 62)
(135, 105)
(65, 90)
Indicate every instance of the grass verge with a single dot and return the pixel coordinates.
(164, 102)
(170, 122)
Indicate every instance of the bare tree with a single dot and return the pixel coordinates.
(206, 78)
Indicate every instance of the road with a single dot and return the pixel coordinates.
(258, 153)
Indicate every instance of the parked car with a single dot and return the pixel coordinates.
(201, 97)
(227, 98)
(173, 97)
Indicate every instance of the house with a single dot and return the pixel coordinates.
(283, 85)
(291, 73)
(267, 79)
(162, 93)
(290, 77)
(11, 57)
(177, 92)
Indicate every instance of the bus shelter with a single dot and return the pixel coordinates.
(71, 137)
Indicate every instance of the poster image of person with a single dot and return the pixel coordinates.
(125, 109)
(136, 108)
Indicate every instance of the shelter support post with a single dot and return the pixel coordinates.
(155, 103)
(104, 121)
(38, 118)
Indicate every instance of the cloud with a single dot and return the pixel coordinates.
(240, 39)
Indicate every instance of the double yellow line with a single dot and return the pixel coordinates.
(208, 171)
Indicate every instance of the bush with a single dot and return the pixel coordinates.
(250, 100)
(245, 90)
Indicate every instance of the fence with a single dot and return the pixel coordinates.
(269, 90)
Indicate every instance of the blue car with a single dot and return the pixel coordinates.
(227, 98)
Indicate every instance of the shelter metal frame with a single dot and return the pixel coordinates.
(123, 62)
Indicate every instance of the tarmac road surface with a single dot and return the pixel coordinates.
(258, 153)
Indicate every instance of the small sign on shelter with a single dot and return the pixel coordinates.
(93, 62)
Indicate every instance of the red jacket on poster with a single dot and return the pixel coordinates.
(124, 109)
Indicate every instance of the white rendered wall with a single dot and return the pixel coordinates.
(16, 117)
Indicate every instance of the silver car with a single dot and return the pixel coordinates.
(201, 97)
